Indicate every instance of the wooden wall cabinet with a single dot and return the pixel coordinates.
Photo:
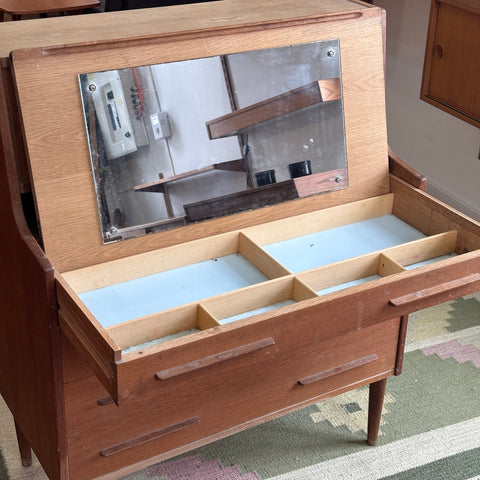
(451, 73)
(250, 315)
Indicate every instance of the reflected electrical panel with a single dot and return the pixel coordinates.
(182, 142)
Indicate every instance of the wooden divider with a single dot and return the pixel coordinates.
(281, 285)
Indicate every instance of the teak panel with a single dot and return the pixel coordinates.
(62, 177)
(295, 370)
(452, 64)
(30, 363)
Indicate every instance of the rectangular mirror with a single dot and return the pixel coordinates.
(182, 142)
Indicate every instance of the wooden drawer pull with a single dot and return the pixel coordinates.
(216, 358)
(436, 290)
(337, 370)
(134, 442)
(104, 401)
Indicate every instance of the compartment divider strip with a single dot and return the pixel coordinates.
(260, 258)
(163, 323)
(435, 245)
(320, 220)
(206, 319)
(388, 266)
(302, 291)
(338, 273)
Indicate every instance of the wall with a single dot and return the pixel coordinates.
(442, 147)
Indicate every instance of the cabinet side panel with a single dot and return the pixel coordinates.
(30, 366)
(431, 216)
(16, 129)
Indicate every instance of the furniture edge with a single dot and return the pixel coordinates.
(31, 382)
(404, 171)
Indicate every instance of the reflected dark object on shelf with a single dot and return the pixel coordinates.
(111, 5)
(267, 177)
(300, 169)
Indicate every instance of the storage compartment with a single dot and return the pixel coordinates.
(162, 280)
(260, 299)
(234, 281)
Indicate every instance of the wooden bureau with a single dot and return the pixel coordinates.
(214, 287)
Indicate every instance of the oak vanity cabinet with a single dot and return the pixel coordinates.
(225, 236)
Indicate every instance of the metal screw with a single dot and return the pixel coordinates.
(331, 53)
(92, 87)
(113, 230)
(338, 179)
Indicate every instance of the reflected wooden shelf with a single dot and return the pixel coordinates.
(161, 185)
(241, 201)
(306, 96)
(265, 195)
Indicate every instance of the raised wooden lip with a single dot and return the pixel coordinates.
(25, 53)
(308, 95)
(11, 8)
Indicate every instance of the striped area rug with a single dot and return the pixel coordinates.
(430, 424)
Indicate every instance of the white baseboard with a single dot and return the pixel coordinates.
(443, 195)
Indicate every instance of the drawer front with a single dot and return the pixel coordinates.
(162, 415)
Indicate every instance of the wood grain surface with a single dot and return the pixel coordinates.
(64, 189)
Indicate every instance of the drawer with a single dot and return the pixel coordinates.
(251, 294)
(181, 409)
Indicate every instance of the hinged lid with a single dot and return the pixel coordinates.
(49, 81)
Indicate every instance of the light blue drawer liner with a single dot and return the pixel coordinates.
(256, 311)
(154, 293)
(340, 243)
(430, 260)
(342, 286)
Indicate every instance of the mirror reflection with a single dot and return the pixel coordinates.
(181, 142)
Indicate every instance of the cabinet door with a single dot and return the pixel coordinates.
(452, 61)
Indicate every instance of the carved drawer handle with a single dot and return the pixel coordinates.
(216, 358)
(337, 370)
(134, 442)
(436, 290)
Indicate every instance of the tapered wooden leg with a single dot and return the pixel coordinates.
(24, 447)
(375, 404)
